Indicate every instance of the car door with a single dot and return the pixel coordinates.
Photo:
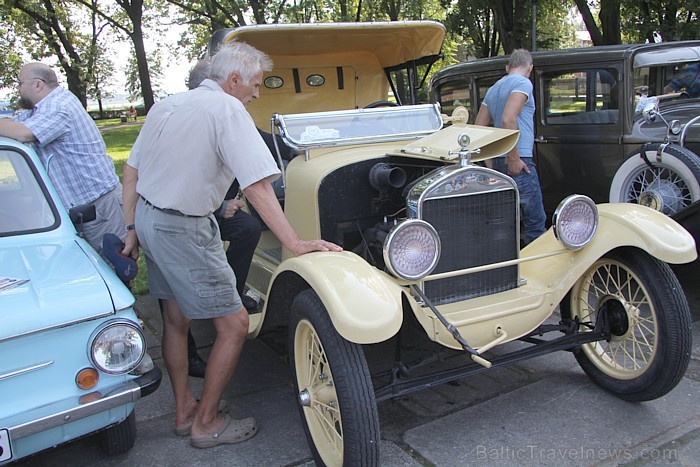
(578, 129)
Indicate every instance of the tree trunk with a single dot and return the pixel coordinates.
(142, 62)
(589, 21)
(509, 24)
(75, 84)
(610, 21)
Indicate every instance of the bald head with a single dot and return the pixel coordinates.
(36, 81)
(40, 71)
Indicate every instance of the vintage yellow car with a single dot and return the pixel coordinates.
(430, 236)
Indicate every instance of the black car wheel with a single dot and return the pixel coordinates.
(335, 393)
(647, 349)
(667, 181)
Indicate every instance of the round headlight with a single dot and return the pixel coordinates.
(117, 347)
(412, 249)
(575, 221)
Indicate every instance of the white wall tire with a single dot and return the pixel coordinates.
(670, 185)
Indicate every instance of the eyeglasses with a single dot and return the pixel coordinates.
(20, 82)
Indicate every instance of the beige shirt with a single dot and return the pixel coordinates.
(193, 145)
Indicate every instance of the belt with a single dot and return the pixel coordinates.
(174, 212)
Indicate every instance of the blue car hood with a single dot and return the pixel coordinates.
(63, 286)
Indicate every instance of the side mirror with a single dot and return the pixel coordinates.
(79, 215)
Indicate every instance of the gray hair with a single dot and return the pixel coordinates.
(199, 72)
(238, 57)
(520, 58)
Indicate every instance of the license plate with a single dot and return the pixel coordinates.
(5, 447)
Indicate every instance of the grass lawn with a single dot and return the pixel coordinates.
(119, 139)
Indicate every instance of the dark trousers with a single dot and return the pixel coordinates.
(242, 231)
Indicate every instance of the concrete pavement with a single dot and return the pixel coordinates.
(544, 411)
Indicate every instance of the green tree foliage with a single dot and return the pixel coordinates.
(671, 20)
(203, 17)
(129, 18)
(133, 82)
(493, 27)
(10, 61)
(51, 28)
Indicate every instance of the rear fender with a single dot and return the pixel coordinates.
(363, 303)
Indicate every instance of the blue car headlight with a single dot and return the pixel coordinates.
(117, 347)
(575, 221)
(412, 249)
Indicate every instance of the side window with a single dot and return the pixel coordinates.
(454, 94)
(581, 97)
(23, 204)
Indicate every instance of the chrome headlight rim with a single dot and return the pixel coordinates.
(397, 234)
(101, 332)
(565, 214)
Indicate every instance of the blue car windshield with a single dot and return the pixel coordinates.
(23, 204)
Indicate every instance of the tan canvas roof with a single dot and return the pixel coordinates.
(392, 42)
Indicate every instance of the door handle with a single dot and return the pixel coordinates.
(549, 139)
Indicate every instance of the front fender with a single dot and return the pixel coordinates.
(620, 225)
(363, 303)
(626, 224)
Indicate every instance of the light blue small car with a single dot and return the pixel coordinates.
(72, 353)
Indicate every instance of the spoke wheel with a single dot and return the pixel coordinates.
(646, 321)
(335, 393)
(669, 185)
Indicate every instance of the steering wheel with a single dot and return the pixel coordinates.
(381, 104)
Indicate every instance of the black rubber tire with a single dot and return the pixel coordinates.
(343, 399)
(650, 349)
(119, 438)
(672, 184)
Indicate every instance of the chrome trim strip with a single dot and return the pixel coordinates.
(28, 369)
(125, 393)
(57, 326)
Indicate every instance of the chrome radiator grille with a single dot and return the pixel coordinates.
(475, 229)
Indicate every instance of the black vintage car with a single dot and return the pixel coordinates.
(592, 136)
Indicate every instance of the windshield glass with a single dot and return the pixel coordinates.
(23, 205)
(355, 126)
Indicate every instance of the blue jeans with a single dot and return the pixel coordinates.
(531, 207)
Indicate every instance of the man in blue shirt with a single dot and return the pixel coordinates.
(687, 81)
(509, 103)
(70, 147)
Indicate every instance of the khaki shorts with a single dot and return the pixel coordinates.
(186, 261)
(110, 219)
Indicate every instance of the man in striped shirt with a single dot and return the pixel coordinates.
(70, 147)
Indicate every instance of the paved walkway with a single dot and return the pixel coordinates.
(541, 412)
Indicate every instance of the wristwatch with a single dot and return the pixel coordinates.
(130, 227)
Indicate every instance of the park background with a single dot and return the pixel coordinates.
(118, 52)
